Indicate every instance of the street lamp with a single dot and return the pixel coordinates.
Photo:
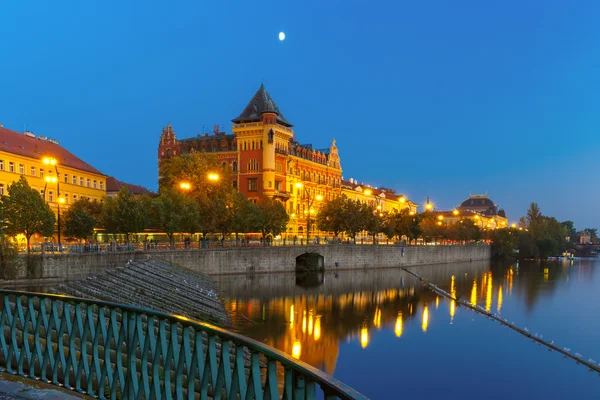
(213, 177)
(310, 201)
(185, 186)
(54, 179)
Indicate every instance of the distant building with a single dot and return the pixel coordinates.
(480, 209)
(383, 199)
(113, 186)
(585, 237)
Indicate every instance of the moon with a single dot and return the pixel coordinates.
(281, 36)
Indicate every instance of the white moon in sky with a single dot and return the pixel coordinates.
(281, 36)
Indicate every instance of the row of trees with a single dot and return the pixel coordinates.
(209, 207)
(351, 217)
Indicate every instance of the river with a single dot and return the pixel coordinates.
(383, 333)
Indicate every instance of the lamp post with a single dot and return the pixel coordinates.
(59, 200)
(310, 201)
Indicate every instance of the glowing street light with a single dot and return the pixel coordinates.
(513, 225)
(185, 186)
(402, 199)
(213, 177)
(455, 212)
(319, 197)
(440, 217)
(49, 161)
(61, 200)
(368, 192)
(429, 206)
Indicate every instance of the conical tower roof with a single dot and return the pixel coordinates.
(260, 103)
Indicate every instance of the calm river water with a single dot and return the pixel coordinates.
(387, 336)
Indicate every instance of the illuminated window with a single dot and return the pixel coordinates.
(253, 185)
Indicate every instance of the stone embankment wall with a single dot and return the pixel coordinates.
(248, 260)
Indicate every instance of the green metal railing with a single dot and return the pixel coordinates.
(114, 351)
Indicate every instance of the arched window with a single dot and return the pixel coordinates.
(253, 145)
(253, 165)
(234, 166)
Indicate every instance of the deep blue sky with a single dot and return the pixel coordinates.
(434, 98)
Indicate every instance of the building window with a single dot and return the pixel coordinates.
(253, 145)
(1, 165)
(253, 185)
(1, 189)
(234, 166)
(74, 180)
(94, 184)
(66, 178)
(88, 182)
(66, 198)
(253, 165)
(278, 166)
(50, 197)
(80, 181)
(22, 169)
(41, 173)
(32, 171)
(234, 184)
(74, 198)
(101, 185)
(278, 185)
(11, 167)
(42, 194)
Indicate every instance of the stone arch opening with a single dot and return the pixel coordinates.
(310, 262)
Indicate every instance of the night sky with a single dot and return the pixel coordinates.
(437, 98)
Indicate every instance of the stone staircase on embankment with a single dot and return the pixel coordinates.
(156, 285)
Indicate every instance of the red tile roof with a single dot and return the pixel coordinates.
(33, 147)
(114, 185)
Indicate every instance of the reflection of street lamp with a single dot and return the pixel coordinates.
(310, 201)
(54, 179)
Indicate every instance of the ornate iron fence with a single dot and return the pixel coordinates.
(113, 351)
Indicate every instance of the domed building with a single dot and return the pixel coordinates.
(481, 204)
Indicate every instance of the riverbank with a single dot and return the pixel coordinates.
(225, 261)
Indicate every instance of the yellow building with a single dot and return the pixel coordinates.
(381, 198)
(59, 176)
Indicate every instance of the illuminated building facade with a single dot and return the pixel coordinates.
(24, 154)
(478, 208)
(383, 199)
(266, 160)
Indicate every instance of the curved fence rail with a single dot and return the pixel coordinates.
(114, 351)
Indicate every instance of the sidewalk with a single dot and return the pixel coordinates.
(17, 388)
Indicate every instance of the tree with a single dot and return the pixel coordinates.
(272, 217)
(26, 212)
(571, 231)
(355, 216)
(79, 223)
(429, 227)
(167, 213)
(125, 213)
(244, 214)
(331, 215)
(195, 168)
(374, 222)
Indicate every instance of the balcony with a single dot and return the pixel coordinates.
(281, 194)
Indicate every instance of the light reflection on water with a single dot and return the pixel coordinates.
(341, 326)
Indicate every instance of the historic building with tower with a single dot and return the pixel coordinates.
(267, 160)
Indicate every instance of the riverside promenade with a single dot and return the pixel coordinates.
(245, 260)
